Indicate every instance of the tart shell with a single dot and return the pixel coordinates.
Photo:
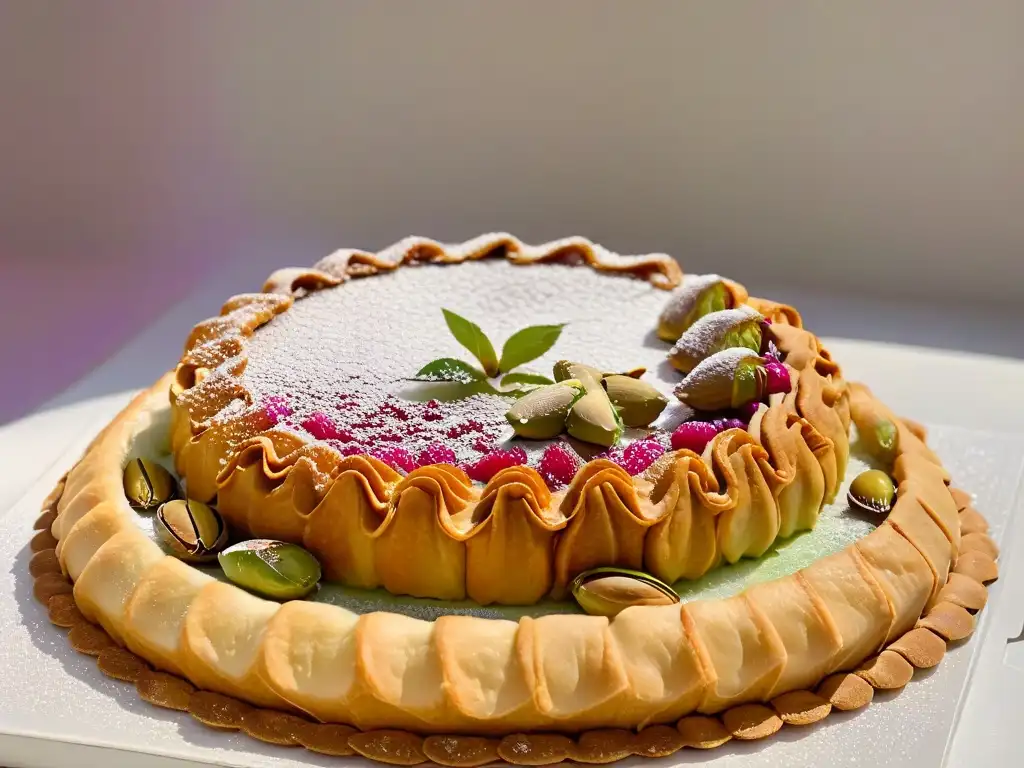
(433, 533)
(379, 684)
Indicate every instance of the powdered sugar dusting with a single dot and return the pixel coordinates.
(701, 338)
(348, 352)
(685, 296)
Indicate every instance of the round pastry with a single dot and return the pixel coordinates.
(489, 493)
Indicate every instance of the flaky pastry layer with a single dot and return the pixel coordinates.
(471, 675)
(432, 533)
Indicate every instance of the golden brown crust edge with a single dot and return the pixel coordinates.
(919, 648)
(918, 643)
(356, 512)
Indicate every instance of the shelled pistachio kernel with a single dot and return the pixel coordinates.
(191, 530)
(147, 485)
(275, 569)
(608, 591)
(872, 491)
(541, 414)
(882, 441)
(593, 419)
(637, 401)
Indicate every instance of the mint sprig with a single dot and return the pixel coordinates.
(528, 344)
(469, 335)
(521, 347)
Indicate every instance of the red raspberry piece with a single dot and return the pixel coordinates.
(432, 416)
(481, 446)
(778, 377)
(396, 457)
(486, 467)
(436, 454)
(390, 437)
(639, 455)
(276, 408)
(693, 435)
(322, 427)
(558, 465)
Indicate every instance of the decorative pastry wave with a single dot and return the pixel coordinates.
(706, 663)
(686, 515)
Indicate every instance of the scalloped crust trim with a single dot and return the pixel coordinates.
(920, 647)
(651, 665)
(359, 516)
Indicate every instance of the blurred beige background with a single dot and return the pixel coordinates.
(864, 159)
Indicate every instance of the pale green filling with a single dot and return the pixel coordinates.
(747, 335)
(836, 529)
(712, 299)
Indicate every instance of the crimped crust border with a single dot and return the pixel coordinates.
(777, 475)
(950, 619)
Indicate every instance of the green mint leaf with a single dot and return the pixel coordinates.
(529, 379)
(470, 336)
(528, 344)
(448, 369)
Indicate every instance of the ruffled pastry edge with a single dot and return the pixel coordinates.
(272, 483)
(194, 644)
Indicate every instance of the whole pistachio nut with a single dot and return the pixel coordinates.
(739, 327)
(147, 485)
(541, 414)
(593, 419)
(587, 375)
(191, 530)
(608, 591)
(872, 491)
(274, 569)
(728, 379)
(637, 401)
(697, 296)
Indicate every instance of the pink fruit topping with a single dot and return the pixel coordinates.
(723, 424)
(436, 454)
(558, 465)
(778, 376)
(322, 427)
(748, 410)
(639, 455)
(693, 435)
(395, 457)
(276, 408)
(486, 467)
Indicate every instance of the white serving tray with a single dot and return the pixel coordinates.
(57, 710)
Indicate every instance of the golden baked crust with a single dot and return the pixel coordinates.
(377, 684)
(360, 517)
(848, 594)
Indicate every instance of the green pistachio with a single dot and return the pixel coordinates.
(872, 491)
(728, 379)
(881, 440)
(699, 295)
(274, 569)
(740, 327)
(637, 401)
(541, 414)
(586, 374)
(147, 485)
(593, 419)
(191, 530)
(608, 591)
